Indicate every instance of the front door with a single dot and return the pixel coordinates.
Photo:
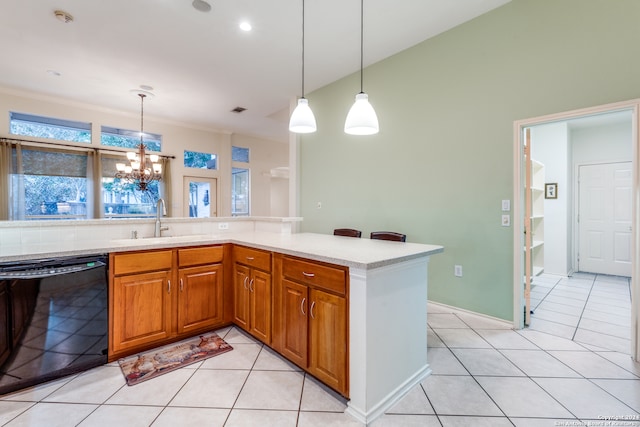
(604, 218)
(200, 197)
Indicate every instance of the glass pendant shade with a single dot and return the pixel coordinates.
(362, 118)
(302, 119)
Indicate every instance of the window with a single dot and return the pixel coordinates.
(240, 182)
(239, 154)
(122, 199)
(49, 183)
(47, 127)
(193, 159)
(52, 184)
(116, 137)
(240, 192)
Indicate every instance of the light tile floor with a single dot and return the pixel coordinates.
(484, 374)
(591, 309)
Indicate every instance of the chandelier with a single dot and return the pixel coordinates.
(142, 169)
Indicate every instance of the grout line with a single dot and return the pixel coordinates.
(580, 376)
(544, 297)
(511, 376)
(583, 309)
(466, 369)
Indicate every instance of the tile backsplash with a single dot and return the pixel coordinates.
(26, 233)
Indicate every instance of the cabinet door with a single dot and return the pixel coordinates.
(241, 278)
(260, 305)
(293, 312)
(199, 298)
(328, 339)
(142, 309)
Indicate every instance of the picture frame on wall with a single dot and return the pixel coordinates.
(551, 190)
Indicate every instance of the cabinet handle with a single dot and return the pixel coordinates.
(311, 310)
(181, 285)
(245, 282)
(250, 258)
(308, 274)
(251, 285)
(302, 306)
(168, 286)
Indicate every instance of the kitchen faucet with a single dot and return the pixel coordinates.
(160, 210)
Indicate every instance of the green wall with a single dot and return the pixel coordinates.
(443, 159)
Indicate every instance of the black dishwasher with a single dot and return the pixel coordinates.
(53, 318)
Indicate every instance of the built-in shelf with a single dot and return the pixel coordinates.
(537, 217)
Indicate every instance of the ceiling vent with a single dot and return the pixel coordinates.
(63, 16)
(238, 110)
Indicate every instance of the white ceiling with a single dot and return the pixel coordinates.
(201, 65)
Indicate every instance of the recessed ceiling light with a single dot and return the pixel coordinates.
(245, 26)
(146, 87)
(201, 5)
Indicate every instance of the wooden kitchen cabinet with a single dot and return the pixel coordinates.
(293, 335)
(162, 296)
(140, 306)
(252, 291)
(328, 339)
(310, 326)
(200, 294)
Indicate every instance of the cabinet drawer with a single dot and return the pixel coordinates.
(200, 256)
(319, 275)
(252, 257)
(139, 262)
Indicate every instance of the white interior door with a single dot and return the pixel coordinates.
(605, 211)
(200, 197)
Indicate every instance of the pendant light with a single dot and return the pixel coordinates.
(361, 119)
(302, 119)
(143, 169)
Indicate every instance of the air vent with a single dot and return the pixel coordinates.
(238, 110)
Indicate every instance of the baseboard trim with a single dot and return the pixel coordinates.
(391, 399)
(462, 310)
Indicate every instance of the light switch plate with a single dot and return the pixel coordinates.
(506, 205)
(457, 270)
(506, 220)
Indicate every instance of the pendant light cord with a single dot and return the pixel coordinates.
(142, 96)
(361, 44)
(303, 48)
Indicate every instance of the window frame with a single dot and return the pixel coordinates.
(79, 127)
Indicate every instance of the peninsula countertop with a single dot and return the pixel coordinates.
(348, 251)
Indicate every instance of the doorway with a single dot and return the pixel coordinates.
(200, 197)
(519, 177)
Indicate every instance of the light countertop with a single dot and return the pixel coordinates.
(348, 251)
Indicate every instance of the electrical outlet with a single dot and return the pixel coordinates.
(319, 205)
(223, 226)
(457, 270)
(506, 220)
